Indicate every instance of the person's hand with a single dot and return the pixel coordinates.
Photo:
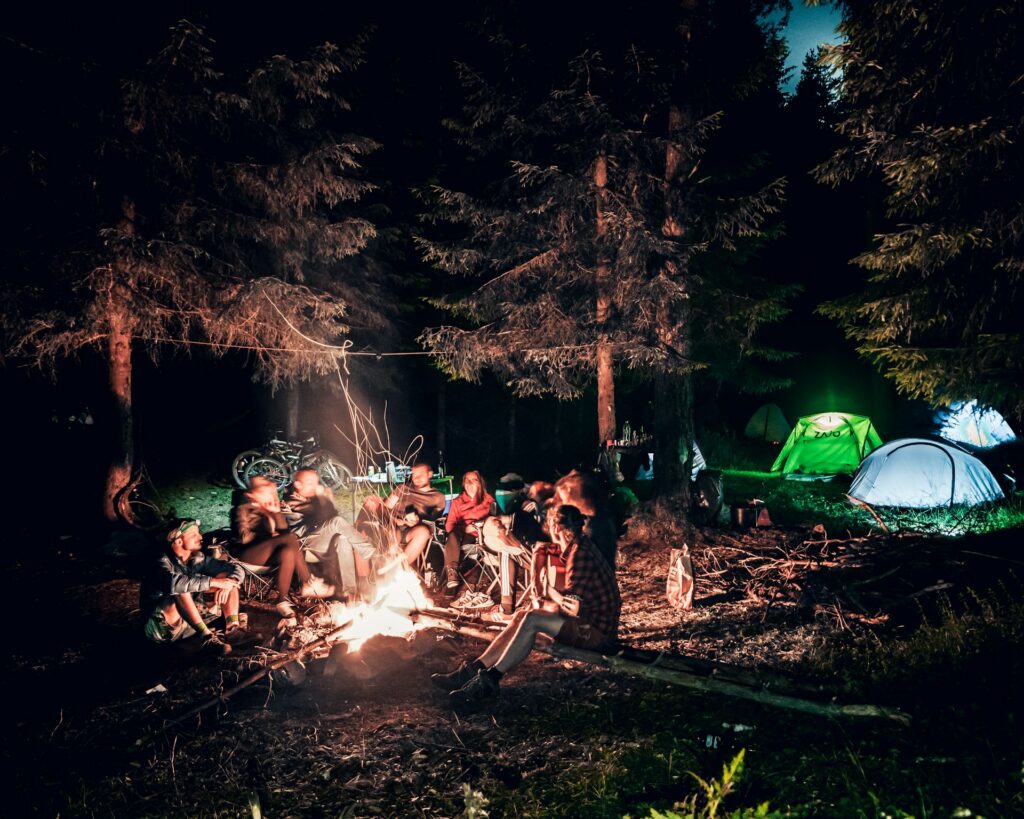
(221, 596)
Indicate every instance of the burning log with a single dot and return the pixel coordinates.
(699, 675)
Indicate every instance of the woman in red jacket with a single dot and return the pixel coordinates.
(473, 506)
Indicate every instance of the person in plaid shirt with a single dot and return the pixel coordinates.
(584, 612)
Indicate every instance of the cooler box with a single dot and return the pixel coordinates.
(505, 499)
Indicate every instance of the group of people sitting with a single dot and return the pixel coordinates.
(558, 539)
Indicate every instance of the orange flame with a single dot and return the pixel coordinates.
(397, 597)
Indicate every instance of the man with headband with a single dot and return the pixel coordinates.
(172, 598)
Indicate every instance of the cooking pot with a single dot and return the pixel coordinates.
(744, 517)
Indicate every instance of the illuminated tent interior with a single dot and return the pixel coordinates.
(917, 473)
(827, 443)
(974, 425)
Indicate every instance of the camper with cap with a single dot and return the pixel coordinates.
(187, 589)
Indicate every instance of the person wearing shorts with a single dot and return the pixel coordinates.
(173, 596)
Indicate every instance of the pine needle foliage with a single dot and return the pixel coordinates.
(571, 237)
(225, 214)
(936, 110)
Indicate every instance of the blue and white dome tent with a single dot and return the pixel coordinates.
(916, 473)
(966, 422)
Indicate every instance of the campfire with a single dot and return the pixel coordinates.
(399, 595)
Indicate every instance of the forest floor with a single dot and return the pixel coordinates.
(930, 625)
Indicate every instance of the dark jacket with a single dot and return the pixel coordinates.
(169, 577)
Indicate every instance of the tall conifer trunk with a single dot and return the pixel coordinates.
(606, 424)
(293, 408)
(119, 372)
(673, 392)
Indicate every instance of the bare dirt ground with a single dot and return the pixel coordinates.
(370, 736)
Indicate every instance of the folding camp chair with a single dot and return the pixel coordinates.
(498, 567)
(257, 581)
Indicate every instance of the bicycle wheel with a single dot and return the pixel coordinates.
(241, 462)
(332, 472)
(137, 509)
(268, 468)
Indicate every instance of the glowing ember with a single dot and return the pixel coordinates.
(398, 595)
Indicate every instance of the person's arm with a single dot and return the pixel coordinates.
(538, 565)
(213, 567)
(437, 507)
(579, 580)
(174, 581)
(454, 514)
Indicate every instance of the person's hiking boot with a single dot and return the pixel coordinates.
(481, 687)
(316, 587)
(456, 679)
(451, 574)
(216, 644)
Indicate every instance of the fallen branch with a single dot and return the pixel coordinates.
(328, 639)
(673, 669)
(874, 514)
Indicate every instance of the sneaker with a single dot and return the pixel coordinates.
(481, 687)
(316, 587)
(452, 580)
(285, 609)
(456, 679)
(215, 643)
(470, 599)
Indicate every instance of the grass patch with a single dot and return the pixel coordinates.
(806, 503)
(966, 639)
(799, 503)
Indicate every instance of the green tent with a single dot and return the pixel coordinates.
(827, 443)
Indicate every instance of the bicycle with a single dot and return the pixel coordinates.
(136, 503)
(280, 459)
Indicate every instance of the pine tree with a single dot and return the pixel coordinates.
(610, 242)
(222, 216)
(936, 110)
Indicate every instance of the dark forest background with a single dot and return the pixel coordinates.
(194, 412)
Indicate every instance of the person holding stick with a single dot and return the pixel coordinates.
(326, 537)
(584, 612)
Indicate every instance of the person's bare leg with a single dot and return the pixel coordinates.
(291, 564)
(415, 542)
(362, 565)
(188, 609)
(171, 614)
(232, 606)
